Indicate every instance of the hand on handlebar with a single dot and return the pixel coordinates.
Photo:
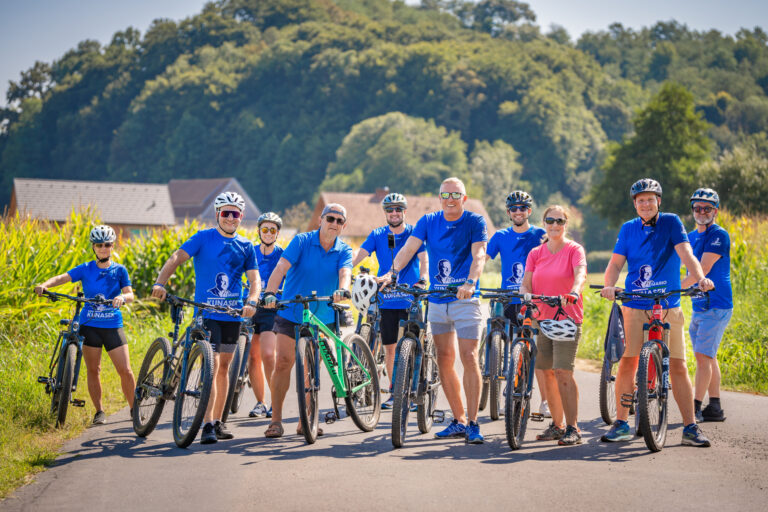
(706, 285)
(248, 311)
(527, 297)
(609, 292)
(421, 284)
(341, 294)
(269, 300)
(465, 291)
(39, 289)
(159, 292)
(571, 298)
(118, 301)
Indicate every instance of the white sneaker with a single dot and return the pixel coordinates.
(544, 409)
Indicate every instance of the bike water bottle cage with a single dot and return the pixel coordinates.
(559, 330)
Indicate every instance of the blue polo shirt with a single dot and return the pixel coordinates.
(220, 263)
(267, 265)
(514, 248)
(653, 263)
(449, 246)
(101, 283)
(377, 242)
(715, 240)
(313, 269)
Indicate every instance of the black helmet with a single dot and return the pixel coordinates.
(645, 185)
(394, 199)
(270, 217)
(706, 194)
(518, 197)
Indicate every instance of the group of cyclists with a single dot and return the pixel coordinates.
(448, 250)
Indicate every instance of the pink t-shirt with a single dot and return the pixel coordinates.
(553, 275)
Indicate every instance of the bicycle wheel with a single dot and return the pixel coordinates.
(651, 407)
(65, 386)
(481, 362)
(431, 377)
(148, 401)
(234, 377)
(401, 396)
(363, 405)
(306, 388)
(242, 382)
(518, 406)
(193, 394)
(494, 363)
(607, 394)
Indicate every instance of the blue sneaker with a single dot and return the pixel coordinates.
(473, 435)
(619, 432)
(693, 436)
(388, 403)
(454, 429)
(269, 412)
(414, 407)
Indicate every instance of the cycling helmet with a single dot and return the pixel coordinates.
(558, 330)
(518, 197)
(645, 185)
(102, 234)
(270, 217)
(229, 199)
(363, 291)
(706, 194)
(394, 199)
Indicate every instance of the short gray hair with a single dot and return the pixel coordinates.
(455, 180)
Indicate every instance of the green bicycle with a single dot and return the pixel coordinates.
(353, 370)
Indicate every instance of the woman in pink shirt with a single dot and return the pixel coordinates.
(558, 267)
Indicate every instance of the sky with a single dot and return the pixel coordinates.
(44, 30)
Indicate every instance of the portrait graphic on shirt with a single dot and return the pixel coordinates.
(516, 278)
(221, 289)
(443, 275)
(100, 311)
(644, 277)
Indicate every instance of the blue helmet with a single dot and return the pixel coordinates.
(645, 185)
(707, 195)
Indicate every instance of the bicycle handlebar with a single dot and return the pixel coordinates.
(503, 295)
(53, 297)
(179, 301)
(691, 291)
(283, 304)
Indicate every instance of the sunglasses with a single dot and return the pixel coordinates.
(552, 220)
(455, 195)
(393, 209)
(106, 244)
(230, 213)
(702, 209)
(331, 219)
(517, 208)
(268, 230)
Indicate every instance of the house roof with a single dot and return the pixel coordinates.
(116, 203)
(193, 199)
(364, 212)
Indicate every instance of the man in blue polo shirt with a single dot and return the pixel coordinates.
(653, 245)
(456, 241)
(712, 246)
(317, 261)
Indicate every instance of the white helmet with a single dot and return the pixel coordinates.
(229, 199)
(558, 330)
(102, 234)
(363, 291)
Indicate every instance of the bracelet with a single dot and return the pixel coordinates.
(160, 285)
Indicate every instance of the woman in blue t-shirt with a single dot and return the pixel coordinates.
(102, 326)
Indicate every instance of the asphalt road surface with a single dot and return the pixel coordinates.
(109, 468)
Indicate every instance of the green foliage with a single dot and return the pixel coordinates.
(494, 167)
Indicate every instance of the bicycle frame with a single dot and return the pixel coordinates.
(498, 322)
(658, 331)
(526, 334)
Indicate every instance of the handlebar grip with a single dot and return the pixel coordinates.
(596, 286)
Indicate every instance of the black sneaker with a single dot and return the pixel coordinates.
(710, 413)
(571, 436)
(209, 435)
(100, 418)
(222, 432)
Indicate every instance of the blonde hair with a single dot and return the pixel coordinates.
(545, 239)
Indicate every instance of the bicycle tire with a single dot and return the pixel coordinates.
(148, 400)
(517, 408)
(494, 384)
(481, 362)
(65, 390)
(607, 394)
(193, 394)
(242, 383)
(306, 372)
(401, 395)
(234, 376)
(430, 374)
(651, 407)
(364, 405)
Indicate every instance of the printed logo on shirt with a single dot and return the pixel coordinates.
(716, 242)
(221, 290)
(645, 282)
(518, 269)
(100, 311)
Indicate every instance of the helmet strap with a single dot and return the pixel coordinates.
(395, 225)
(100, 260)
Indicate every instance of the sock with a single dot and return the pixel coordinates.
(697, 404)
(714, 402)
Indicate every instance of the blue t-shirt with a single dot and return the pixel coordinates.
(220, 263)
(715, 240)
(514, 248)
(449, 246)
(653, 263)
(101, 283)
(377, 243)
(313, 270)
(267, 265)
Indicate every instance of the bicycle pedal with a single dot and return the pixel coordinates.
(76, 402)
(330, 417)
(438, 416)
(536, 416)
(44, 380)
(627, 399)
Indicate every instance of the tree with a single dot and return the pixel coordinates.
(670, 145)
(34, 82)
(496, 170)
(740, 176)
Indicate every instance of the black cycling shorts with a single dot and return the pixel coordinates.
(288, 328)
(224, 334)
(108, 337)
(263, 320)
(511, 311)
(390, 323)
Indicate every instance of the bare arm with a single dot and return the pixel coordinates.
(125, 297)
(254, 292)
(466, 290)
(170, 266)
(579, 278)
(53, 282)
(406, 253)
(345, 278)
(360, 256)
(612, 273)
(708, 260)
(683, 250)
(527, 285)
(423, 265)
(277, 275)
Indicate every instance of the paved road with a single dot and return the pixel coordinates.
(109, 468)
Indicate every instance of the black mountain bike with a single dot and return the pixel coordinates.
(238, 371)
(64, 366)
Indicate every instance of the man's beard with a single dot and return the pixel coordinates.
(519, 223)
(395, 225)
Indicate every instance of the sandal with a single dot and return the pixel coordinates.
(274, 430)
(300, 432)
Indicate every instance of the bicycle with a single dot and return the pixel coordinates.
(370, 330)
(651, 394)
(238, 371)
(352, 370)
(181, 370)
(64, 366)
(415, 375)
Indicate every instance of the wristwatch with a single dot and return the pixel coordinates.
(252, 303)
(470, 281)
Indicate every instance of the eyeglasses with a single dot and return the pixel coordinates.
(702, 209)
(391, 209)
(520, 208)
(106, 244)
(331, 219)
(272, 231)
(552, 220)
(231, 213)
(455, 195)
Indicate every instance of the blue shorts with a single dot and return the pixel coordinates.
(707, 328)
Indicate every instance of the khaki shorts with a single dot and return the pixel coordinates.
(633, 331)
(556, 355)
